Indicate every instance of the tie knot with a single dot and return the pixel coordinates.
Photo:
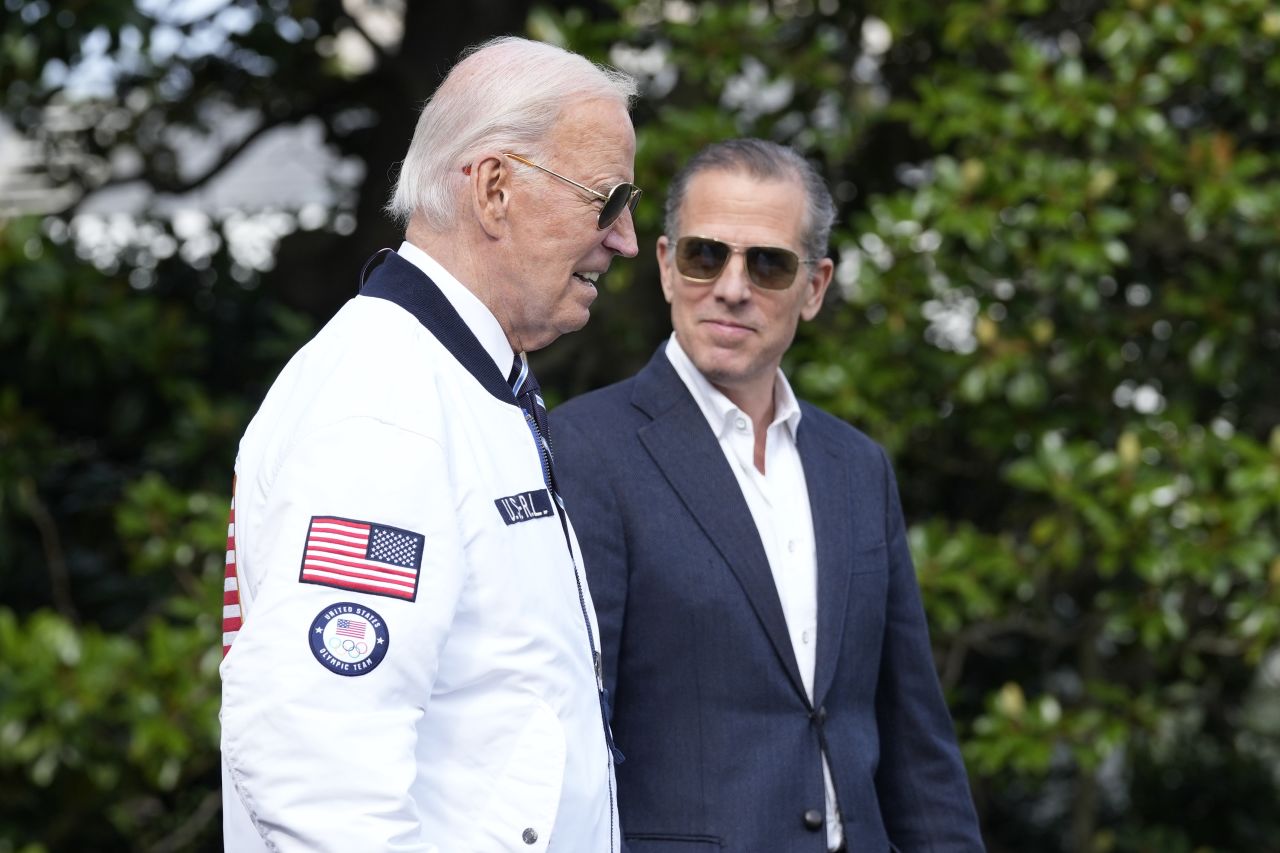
(525, 388)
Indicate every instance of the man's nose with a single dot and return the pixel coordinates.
(733, 285)
(622, 236)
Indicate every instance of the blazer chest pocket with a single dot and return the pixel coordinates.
(867, 560)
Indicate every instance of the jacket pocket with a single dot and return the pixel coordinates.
(521, 811)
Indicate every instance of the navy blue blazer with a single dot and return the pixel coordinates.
(722, 745)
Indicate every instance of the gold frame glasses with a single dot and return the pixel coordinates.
(703, 259)
(622, 197)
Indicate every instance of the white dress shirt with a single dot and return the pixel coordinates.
(474, 313)
(779, 503)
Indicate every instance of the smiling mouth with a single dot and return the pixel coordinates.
(728, 324)
(588, 278)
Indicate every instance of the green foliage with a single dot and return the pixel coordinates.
(1056, 305)
(117, 415)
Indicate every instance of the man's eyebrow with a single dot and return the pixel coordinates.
(609, 183)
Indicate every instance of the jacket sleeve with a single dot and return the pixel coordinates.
(921, 782)
(322, 758)
(590, 500)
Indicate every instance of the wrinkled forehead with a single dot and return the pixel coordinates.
(597, 135)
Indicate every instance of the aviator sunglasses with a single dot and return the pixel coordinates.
(702, 259)
(622, 197)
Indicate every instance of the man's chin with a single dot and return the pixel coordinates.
(571, 322)
(721, 366)
(586, 298)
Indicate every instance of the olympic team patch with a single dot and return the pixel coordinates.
(349, 639)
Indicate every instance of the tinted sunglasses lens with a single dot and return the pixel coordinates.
(772, 269)
(620, 198)
(700, 259)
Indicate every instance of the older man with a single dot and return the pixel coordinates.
(411, 659)
(761, 625)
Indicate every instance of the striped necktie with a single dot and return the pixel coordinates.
(525, 386)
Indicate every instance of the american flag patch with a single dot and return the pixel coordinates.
(363, 556)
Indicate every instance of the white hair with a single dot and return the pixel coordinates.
(505, 94)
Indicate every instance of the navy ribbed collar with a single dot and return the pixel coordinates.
(399, 281)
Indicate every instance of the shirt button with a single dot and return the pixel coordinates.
(804, 637)
(530, 836)
(741, 424)
(791, 545)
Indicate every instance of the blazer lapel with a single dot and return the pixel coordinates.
(688, 454)
(827, 481)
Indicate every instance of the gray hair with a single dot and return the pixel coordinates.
(765, 160)
(504, 94)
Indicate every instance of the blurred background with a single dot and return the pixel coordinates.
(1057, 305)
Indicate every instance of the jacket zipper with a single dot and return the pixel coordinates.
(545, 459)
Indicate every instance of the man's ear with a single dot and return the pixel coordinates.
(817, 288)
(665, 274)
(489, 182)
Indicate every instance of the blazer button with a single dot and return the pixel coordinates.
(530, 836)
(813, 820)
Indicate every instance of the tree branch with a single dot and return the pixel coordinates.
(1084, 806)
(978, 635)
(55, 557)
(179, 188)
(185, 835)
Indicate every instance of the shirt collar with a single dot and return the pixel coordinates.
(718, 409)
(474, 313)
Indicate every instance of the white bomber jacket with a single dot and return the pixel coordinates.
(413, 672)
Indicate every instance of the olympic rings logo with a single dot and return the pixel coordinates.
(347, 647)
